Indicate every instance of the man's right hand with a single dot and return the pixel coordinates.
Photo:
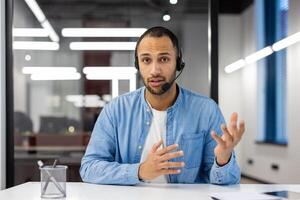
(157, 162)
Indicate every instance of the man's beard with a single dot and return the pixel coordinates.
(159, 90)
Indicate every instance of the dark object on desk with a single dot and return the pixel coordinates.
(22, 122)
(51, 124)
(285, 194)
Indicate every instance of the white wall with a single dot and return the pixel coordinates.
(195, 49)
(230, 48)
(2, 95)
(239, 91)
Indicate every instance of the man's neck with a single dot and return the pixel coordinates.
(164, 101)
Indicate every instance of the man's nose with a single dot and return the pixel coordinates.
(155, 68)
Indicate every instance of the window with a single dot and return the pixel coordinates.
(272, 26)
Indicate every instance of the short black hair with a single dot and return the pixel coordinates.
(159, 31)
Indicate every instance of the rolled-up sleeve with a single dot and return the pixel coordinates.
(98, 165)
(221, 175)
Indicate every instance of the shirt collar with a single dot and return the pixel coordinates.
(171, 108)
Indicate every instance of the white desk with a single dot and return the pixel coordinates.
(82, 191)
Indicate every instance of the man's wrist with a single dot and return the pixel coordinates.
(139, 173)
(223, 161)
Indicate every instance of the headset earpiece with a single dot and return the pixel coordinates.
(136, 63)
(180, 62)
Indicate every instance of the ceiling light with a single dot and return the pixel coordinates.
(235, 66)
(74, 98)
(102, 32)
(30, 32)
(259, 55)
(109, 73)
(85, 100)
(102, 46)
(166, 17)
(27, 57)
(173, 1)
(47, 70)
(27, 45)
(52, 34)
(55, 76)
(37, 11)
(288, 41)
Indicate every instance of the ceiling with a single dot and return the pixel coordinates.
(110, 9)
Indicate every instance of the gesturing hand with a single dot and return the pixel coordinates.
(157, 162)
(230, 138)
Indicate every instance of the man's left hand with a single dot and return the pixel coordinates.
(230, 138)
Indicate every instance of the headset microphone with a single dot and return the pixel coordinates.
(165, 87)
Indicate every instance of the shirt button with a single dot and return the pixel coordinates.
(140, 147)
(148, 110)
(148, 123)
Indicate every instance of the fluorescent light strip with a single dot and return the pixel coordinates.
(30, 32)
(46, 70)
(259, 55)
(37, 11)
(55, 76)
(52, 34)
(102, 32)
(235, 66)
(113, 73)
(109, 69)
(109, 73)
(85, 100)
(27, 45)
(94, 104)
(288, 41)
(102, 46)
(74, 98)
(284, 43)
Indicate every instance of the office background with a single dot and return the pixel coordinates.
(59, 127)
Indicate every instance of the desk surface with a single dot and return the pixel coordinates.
(82, 191)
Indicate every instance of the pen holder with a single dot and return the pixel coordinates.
(53, 181)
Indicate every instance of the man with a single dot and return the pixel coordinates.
(161, 132)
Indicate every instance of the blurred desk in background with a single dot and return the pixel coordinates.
(67, 149)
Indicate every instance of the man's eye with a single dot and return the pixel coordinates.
(145, 60)
(164, 59)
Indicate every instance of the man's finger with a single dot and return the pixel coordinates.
(232, 128)
(156, 146)
(166, 165)
(234, 117)
(217, 138)
(170, 171)
(227, 136)
(240, 133)
(169, 156)
(167, 149)
(242, 126)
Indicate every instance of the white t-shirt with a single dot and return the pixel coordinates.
(156, 133)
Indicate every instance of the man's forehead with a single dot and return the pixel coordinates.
(149, 44)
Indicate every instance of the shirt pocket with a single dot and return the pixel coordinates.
(192, 146)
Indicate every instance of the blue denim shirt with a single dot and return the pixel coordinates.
(114, 150)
